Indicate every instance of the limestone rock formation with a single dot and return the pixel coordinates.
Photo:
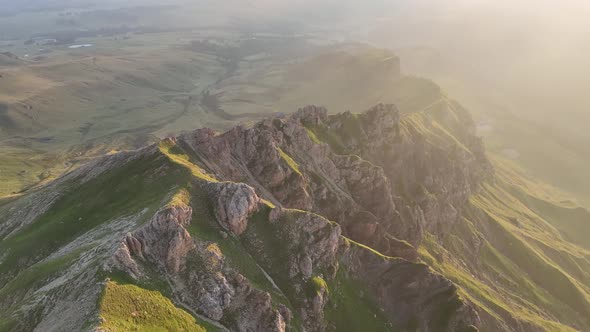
(234, 204)
(196, 270)
(164, 241)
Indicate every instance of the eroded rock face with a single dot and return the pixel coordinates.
(430, 174)
(311, 115)
(383, 178)
(258, 315)
(386, 180)
(344, 188)
(163, 241)
(222, 294)
(295, 246)
(196, 270)
(427, 168)
(253, 156)
(234, 202)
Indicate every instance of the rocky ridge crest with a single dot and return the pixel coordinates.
(280, 215)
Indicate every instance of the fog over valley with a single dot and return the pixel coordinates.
(276, 165)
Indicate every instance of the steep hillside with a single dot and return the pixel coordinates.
(379, 221)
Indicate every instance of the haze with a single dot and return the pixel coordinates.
(506, 61)
(294, 165)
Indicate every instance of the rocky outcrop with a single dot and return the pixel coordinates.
(294, 247)
(429, 175)
(164, 241)
(428, 167)
(311, 115)
(234, 202)
(279, 159)
(252, 156)
(384, 178)
(196, 270)
(220, 293)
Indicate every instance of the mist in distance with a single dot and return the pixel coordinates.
(510, 62)
(532, 52)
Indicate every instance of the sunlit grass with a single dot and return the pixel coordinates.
(292, 163)
(121, 192)
(131, 308)
(179, 156)
(523, 256)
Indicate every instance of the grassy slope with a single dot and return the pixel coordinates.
(523, 268)
(552, 145)
(204, 227)
(165, 178)
(15, 293)
(21, 168)
(555, 207)
(528, 270)
(140, 185)
(131, 308)
(83, 208)
(351, 308)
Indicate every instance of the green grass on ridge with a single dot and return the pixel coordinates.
(124, 191)
(292, 163)
(131, 308)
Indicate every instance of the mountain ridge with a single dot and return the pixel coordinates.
(236, 228)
